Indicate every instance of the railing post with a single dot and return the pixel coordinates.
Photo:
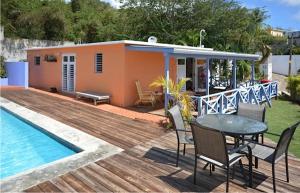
(237, 98)
(206, 105)
(221, 103)
(199, 106)
(167, 77)
(276, 90)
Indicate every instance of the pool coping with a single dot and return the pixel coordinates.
(93, 149)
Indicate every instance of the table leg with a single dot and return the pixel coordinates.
(256, 159)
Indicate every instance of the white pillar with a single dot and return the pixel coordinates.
(234, 74)
(252, 72)
(167, 77)
(207, 75)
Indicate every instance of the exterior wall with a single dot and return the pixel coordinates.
(266, 68)
(17, 73)
(121, 68)
(145, 67)
(281, 64)
(111, 80)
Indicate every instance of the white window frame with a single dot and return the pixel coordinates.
(181, 58)
(75, 70)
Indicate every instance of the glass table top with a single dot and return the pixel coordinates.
(232, 124)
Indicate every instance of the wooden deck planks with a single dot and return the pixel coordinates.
(148, 162)
(115, 129)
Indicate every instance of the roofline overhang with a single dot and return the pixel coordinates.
(190, 52)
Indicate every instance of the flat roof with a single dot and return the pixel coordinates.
(172, 49)
(128, 42)
(194, 52)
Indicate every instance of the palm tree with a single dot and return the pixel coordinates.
(181, 98)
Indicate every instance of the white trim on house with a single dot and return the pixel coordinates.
(129, 42)
(62, 72)
(179, 50)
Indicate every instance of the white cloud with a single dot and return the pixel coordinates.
(291, 2)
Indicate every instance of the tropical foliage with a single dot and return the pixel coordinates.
(2, 68)
(229, 25)
(179, 97)
(293, 87)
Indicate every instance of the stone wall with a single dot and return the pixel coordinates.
(14, 49)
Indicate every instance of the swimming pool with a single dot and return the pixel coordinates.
(24, 146)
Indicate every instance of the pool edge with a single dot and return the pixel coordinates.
(94, 149)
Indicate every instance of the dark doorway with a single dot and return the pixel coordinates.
(189, 73)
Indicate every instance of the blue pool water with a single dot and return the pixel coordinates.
(24, 146)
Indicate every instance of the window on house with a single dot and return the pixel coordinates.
(98, 62)
(37, 60)
(181, 61)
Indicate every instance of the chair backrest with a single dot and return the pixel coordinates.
(252, 111)
(210, 143)
(284, 141)
(139, 88)
(177, 121)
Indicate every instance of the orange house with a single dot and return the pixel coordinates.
(113, 67)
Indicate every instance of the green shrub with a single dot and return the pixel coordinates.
(293, 87)
(2, 67)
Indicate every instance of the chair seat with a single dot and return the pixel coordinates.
(233, 158)
(262, 152)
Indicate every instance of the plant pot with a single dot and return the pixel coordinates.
(3, 81)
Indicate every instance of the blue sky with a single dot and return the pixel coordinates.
(282, 13)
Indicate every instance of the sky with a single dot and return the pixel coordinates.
(282, 13)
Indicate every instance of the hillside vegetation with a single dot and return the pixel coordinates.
(229, 26)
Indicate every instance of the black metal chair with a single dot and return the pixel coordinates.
(252, 111)
(181, 131)
(273, 155)
(210, 146)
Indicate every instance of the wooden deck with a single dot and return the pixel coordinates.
(147, 164)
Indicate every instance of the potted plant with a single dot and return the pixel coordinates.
(3, 74)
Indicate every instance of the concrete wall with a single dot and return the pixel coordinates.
(281, 64)
(17, 73)
(266, 68)
(13, 49)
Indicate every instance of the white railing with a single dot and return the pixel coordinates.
(226, 102)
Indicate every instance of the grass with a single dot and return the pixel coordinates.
(281, 115)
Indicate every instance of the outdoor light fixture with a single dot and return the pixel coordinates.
(202, 34)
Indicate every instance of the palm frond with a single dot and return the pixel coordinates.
(179, 97)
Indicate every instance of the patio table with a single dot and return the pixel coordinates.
(233, 125)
